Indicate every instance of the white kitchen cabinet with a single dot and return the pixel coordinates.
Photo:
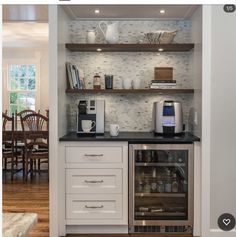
(95, 154)
(96, 185)
(93, 209)
(94, 180)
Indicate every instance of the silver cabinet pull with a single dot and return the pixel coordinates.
(93, 181)
(93, 207)
(93, 155)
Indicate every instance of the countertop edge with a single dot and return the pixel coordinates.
(132, 137)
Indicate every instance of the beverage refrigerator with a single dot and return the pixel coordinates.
(161, 188)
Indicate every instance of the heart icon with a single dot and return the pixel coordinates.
(226, 221)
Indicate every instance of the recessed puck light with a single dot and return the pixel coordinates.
(160, 49)
(99, 50)
(97, 11)
(162, 11)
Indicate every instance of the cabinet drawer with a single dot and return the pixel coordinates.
(89, 154)
(91, 207)
(94, 180)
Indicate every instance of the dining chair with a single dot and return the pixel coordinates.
(9, 151)
(22, 114)
(35, 128)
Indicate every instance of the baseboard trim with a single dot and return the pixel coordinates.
(75, 229)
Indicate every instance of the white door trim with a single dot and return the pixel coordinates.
(206, 120)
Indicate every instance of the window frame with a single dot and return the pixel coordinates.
(35, 62)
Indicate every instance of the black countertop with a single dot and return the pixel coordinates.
(132, 137)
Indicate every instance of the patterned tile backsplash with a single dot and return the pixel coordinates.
(133, 112)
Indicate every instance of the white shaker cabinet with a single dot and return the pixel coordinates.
(96, 185)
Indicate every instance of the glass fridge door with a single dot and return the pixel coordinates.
(161, 183)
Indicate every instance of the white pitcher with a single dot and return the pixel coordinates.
(110, 33)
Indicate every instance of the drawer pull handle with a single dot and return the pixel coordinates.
(93, 181)
(94, 207)
(93, 155)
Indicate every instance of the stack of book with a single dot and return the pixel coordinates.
(161, 84)
(75, 76)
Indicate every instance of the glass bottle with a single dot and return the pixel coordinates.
(168, 181)
(175, 184)
(96, 81)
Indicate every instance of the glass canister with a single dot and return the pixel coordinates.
(96, 81)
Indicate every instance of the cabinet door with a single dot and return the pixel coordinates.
(94, 155)
(89, 208)
(93, 180)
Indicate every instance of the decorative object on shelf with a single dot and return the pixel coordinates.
(160, 36)
(167, 37)
(163, 73)
(163, 78)
(127, 83)
(111, 33)
(136, 83)
(96, 81)
(75, 76)
(152, 37)
(91, 36)
(158, 84)
(108, 81)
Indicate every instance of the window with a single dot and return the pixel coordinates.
(22, 86)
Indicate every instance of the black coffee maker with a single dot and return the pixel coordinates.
(93, 111)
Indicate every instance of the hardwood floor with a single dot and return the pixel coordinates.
(33, 196)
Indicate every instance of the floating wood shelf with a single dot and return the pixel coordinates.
(127, 91)
(129, 47)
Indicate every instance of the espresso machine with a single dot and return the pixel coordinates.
(168, 117)
(91, 111)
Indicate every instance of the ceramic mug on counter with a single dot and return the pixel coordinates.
(87, 125)
(114, 130)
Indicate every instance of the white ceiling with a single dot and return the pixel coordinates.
(18, 13)
(25, 35)
(130, 11)
(25, 26)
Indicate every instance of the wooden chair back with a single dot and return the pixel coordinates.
(35, 127)
(23, 113)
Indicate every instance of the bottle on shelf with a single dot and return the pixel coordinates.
(147, 156)
(168, 181)
(175, 184)
(154, 172)
(96, 81)
(139, 157)
(147, 187)
(160, 187)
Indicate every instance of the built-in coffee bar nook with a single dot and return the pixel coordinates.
(129, 156)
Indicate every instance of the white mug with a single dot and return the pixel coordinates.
(87, 125)
(127, 83)
(91, 36)
(114, 130)
(136, 83)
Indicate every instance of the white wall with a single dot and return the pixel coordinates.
(58, 36)
(196, 38)
(219, 116)
(26, 54)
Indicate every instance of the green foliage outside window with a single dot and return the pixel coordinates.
(22, 86)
